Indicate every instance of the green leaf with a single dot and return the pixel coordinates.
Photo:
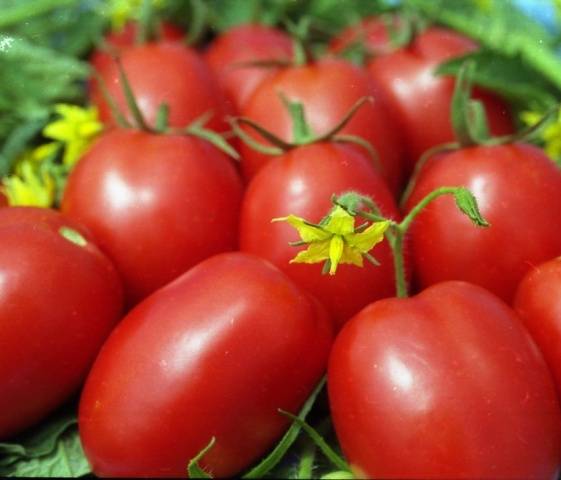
(52, 449)
(511, 77)
(271, 460)
(193, 468)
(503, 28)
(467, 203)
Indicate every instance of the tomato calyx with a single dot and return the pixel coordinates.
(336, 240)
(161, 127)
(302, 133)
(470, 125)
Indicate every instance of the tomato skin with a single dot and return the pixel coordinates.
(447, 384)
(164, 73)
(301, 182)
(58, 303)
(246, 43)
(512, 184)
(214, 353)
(156, 204)
(414, 94)
(3, 200)
(327, 89)
(537, 301)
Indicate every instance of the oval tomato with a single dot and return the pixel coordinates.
(447, 384)
(301, 182)
(538, 302)
(157, 204)
(215, 353)
(58, 302)
(164, 73)
(517, 188)
(246, 43)
(327, 90)
(414, 94)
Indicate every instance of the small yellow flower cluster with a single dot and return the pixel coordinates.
(551, 134)
(34, 182)
(336, 240)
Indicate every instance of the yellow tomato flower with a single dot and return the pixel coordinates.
(76, 128)
(30, 185)
(336, 239)
(551, 134)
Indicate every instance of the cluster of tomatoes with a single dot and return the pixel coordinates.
(448, 383)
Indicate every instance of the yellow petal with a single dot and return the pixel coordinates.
(340, 222)
(351, 256)
(308, 233)
(364, 242)
(315, 253)
(336, 247)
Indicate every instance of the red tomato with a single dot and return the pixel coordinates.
(302, 182)
(518, 191)
(327, 89)
(157, 204)
(246, 43)
(164, 73)
(58, 302)
(371, 32)
(447, 384)
(420, 101)
(215, 353)
(538, 302)
(119, 41)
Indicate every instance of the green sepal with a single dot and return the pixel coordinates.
(319, 441)
(273, 458)
(466, 202)
(137, 115)
(162, 118)
(73, 236)
(118, 116)
(193, 468)
(301, 130)
(460, 106)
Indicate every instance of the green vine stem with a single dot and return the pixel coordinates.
(465, 201)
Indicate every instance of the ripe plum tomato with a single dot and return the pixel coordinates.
(327, 90)
(538, 302)
(518, 191)
(58, 302)
(164, 73)
(246, 43)
(215, 353)
(119, 41)
(447, 384)
(301, 182)
(419, 100)
(156, 204)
